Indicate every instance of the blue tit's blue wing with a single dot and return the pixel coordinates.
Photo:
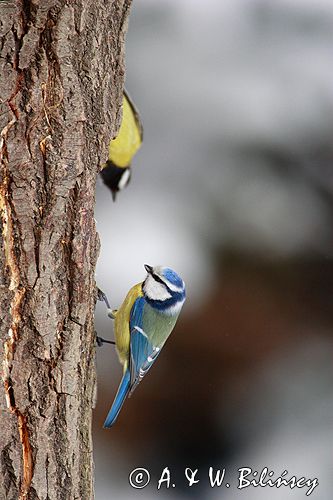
(142, 352)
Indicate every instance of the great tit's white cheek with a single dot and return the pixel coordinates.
(124, 179)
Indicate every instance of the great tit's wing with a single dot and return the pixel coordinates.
(142, 352)
(135, 113)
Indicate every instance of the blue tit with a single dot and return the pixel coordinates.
(116, 172)
(143, 323)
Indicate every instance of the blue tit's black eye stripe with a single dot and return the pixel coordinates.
(157, 278)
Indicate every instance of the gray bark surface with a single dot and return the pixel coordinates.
(61, 78)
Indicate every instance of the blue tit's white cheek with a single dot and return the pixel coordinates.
(155, 290)
(124, 179)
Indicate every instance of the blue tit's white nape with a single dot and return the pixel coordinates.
(143, 323)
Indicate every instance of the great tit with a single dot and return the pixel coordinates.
(116, 172)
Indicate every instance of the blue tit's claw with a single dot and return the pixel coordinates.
(103, 298)
(112, 313)
(100, 341)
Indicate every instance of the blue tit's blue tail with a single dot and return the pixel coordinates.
(118, 400)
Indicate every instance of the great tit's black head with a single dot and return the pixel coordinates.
(116, 178)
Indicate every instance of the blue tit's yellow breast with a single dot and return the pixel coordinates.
(129, 139)
(121, 326)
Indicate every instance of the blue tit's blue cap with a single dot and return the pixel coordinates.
(172, 277)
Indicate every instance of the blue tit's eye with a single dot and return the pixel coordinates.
(157, 278)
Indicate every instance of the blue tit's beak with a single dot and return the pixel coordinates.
(114, 195)
(149, 269)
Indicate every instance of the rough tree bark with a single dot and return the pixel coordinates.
(61, 77)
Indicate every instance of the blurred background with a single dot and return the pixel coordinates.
(233, 187)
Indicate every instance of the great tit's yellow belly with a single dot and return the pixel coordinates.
(129, 139)
(121, 325)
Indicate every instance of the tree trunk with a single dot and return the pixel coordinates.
(62, 69)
